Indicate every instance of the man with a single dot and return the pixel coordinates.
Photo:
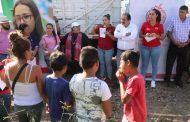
(178, 34)
(73, 42)
(126, 32)
(4, 41)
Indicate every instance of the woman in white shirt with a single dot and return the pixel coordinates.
(27, 89)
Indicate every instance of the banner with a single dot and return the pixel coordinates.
(168, 8)
(7, 6)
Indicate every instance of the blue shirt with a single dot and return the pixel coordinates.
(34, 40)
(57, 89)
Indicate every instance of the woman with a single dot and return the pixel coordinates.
(26, 12)
(74, 41)
(152, 32)
(27, 86)
(50, 41)
(105, 48)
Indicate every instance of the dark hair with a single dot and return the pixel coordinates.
(58, 61)
(88, 57)
(184, 7)
(22, 27)
(107, 16)
(127, 15)
(38, 30)
(158, 19)
(132, 56)
(54, 34)
(19, 45)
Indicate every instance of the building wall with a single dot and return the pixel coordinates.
(69, 10)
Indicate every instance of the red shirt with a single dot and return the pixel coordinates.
(7, 89)
(106, 43)
(147, 28)
(136, 109)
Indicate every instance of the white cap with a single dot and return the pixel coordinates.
(3, 19)
(74, 24)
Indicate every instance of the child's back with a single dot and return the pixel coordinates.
(89, 94)
(57, 90)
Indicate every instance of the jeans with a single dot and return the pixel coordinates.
(46, 58)
(31, 113)
(119, 52)
(5, 105)
(146, 54)
(3, 56)
(105, 57)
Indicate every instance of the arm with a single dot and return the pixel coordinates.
(125, 98)
(5, 77)
(95, 29)
(170, 36)
(141, 35)
(44, 44)
(39, 80)
(111, 36)
(106, 100)
(107, 108)
(133, 35)
(118, 33)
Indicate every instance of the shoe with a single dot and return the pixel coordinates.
(167, 81)
(153, 84)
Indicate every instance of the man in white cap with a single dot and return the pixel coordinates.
(73, 43)
(4, 41)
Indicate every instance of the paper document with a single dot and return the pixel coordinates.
(102, 32)
(2, 85)
(148, 39)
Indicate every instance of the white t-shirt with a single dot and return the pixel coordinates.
(88, 94)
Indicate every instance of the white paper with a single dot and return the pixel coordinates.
(2, 85)
(148, 39)
(102, 32)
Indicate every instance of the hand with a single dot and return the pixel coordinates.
(181, 45)
(128, 34)
(107, 33)
(151, 35)
(120, 76)
(95, 27)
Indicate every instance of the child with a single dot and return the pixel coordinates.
(57, 88)
(92, 95)
(132, 91)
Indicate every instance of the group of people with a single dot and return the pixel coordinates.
(86, 95)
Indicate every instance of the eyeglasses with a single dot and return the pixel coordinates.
(151, 13)
(25, 18)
